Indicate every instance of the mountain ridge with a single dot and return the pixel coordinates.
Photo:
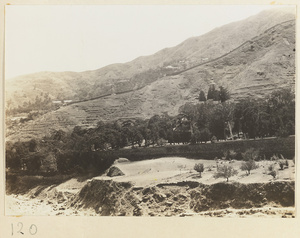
(100, 80)
(254, 68)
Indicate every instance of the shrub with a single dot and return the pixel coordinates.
(239, 156)
(248, 166)
(271, 167)
(230, 154)
(199, 168)
(272, 170)
(251, 154)
(277, 157)
(225, 171)
(281, 164)
(273, 173)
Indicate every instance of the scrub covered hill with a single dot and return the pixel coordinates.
(258, 58)
(146, 69)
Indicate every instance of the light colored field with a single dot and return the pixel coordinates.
(176, 169)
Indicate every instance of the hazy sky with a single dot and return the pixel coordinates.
(79, 38)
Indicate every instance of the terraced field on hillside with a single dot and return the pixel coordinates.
(254, 69)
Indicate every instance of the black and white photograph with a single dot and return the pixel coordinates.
(150, 111)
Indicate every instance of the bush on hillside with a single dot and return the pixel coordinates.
(225, 171)
(273, 173)
(282, 163)
(272, 170)
(248, 166)
(199, 168)
(230, 154)
(251, 154)
(286, 163)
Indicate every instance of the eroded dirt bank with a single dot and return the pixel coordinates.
(122, 199)
(110, 198)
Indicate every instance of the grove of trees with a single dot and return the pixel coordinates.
(41, 102)
(195, 123)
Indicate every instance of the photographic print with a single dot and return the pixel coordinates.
(150, 110)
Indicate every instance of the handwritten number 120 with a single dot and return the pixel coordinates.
(19, 229)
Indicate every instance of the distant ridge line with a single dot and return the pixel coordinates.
(212, 60)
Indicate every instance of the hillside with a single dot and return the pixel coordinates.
(146, 69)
(252, 63)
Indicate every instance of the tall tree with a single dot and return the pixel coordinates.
(211, 92)
(246, 110)
(223, 94)
(221, 120)
(281, 105)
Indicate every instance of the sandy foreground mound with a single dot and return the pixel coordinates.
(165, 187)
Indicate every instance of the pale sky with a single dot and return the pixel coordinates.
(79, 38)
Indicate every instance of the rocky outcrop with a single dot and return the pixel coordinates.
(114, 171)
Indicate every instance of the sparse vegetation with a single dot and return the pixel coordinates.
(273, 173)
(281, 161)
(281, 164)
(251, 154)
(230, 155)
(225, 171)
(274, 157)
(42, 103)
(248, 166)
(271, 167)
(199, 168)
(272, 170)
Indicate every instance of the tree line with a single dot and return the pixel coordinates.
(195, 123)
(42, 102)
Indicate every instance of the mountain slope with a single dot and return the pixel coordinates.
(143, 70)
(255, 68)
